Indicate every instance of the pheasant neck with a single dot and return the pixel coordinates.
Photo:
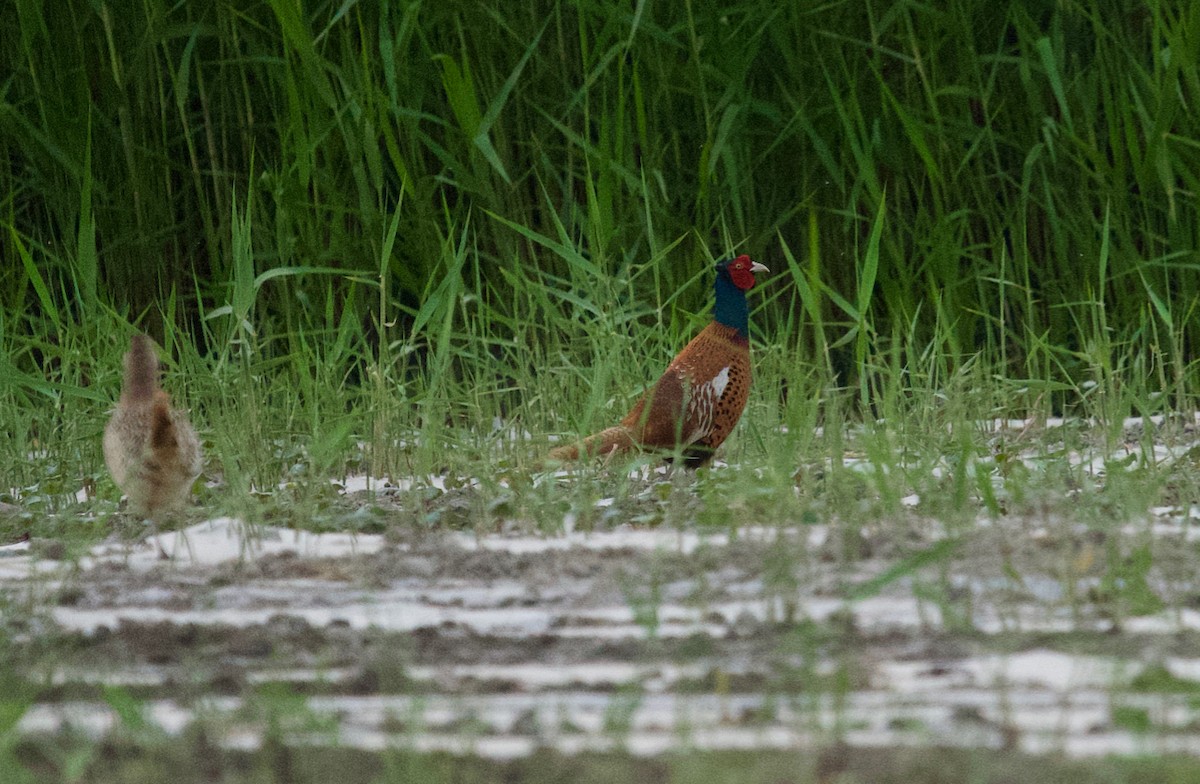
(731, 309)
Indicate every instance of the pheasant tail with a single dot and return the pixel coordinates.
(606, 442)
(141, 371)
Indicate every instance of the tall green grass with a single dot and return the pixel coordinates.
(353, 224)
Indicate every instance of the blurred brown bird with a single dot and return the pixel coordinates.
(150, 448)
(696, 403)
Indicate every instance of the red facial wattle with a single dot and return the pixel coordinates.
(741, 272)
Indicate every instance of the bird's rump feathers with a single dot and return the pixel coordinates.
(150, 448)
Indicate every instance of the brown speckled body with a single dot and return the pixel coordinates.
(150, 448)
(694, 405)
(685, 406)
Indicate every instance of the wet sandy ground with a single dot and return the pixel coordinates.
(1010, 635)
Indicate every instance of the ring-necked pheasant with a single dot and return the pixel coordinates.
(150, 448)
(700, 397)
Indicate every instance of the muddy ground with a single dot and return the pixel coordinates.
(1025, 634)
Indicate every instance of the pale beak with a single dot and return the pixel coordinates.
(756, 267)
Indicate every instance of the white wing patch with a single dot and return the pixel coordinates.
(702, 405)
(719, 382)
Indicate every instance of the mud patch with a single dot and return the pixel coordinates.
(1011, 634)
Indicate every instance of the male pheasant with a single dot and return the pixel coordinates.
(700, 397)
(150, 448)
